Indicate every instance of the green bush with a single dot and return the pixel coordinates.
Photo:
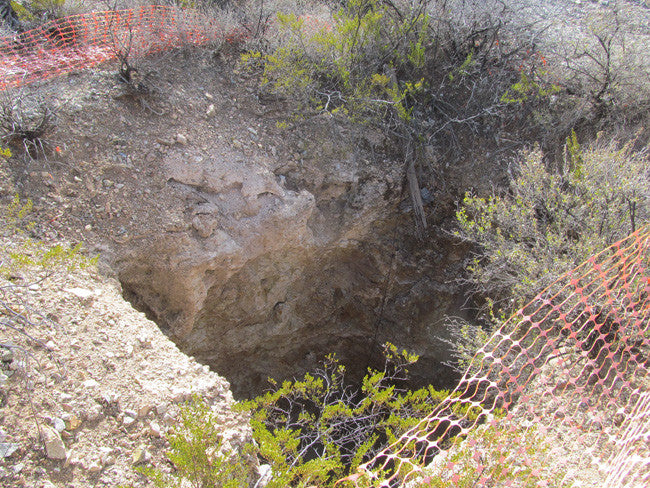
(312, 431)
(551, 220)
(346, 67)
(39, 10)
(319, 429)
(430, 74)
(25, 251)
(197, 454)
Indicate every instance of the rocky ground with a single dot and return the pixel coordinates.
(253, 239)
(89, 386)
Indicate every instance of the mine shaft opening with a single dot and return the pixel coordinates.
(249, 356)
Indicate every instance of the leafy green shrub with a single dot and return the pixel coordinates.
(26, 251)
(551, 220)
(429, 73)
(39, 10)
(319, 429)
(343, 67)
(309, 432)
(197, 454)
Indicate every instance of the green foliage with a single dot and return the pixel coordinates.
(527, 88)
(344, 68)
(311, 431)
(197, 454)
(552, 220)
(28, 252)
(316, 430)
(34, 10)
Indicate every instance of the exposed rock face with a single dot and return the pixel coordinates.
(257, 246)
(271, 264)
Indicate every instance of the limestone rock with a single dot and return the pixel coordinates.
(54, 446)
(80, 292)
(8, 448)
(140, 455)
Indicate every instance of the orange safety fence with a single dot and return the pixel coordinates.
(558, 397)
(82, 41)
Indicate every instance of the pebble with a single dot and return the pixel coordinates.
(54, 446)
(181, 139)
(140, 455)
(145, 341)
(79, 292)
(143, 411)
(154, 429)
(90, 383)
(73, 422)
(7, 449)
(93, 467)
(210, 112)
(58, 424)
(165, 142)
(7, 355)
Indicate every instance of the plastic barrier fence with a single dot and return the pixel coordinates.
(82, 41)
(559, 397)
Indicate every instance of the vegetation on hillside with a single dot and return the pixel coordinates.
(439, 77)
(550, 220)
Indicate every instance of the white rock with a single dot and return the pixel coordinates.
(106, 455)
(80, 292)
(54, 446)
(210, 111)
(59, 424)
(265, 474)
(90, 383)
(140, 455)
(65, 397)
(181, 139)
(93, 467)
(154, 429)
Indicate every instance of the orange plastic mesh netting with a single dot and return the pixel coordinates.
(559, 396)
(81, 41)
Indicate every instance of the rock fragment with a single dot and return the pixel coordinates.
(54, 446)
